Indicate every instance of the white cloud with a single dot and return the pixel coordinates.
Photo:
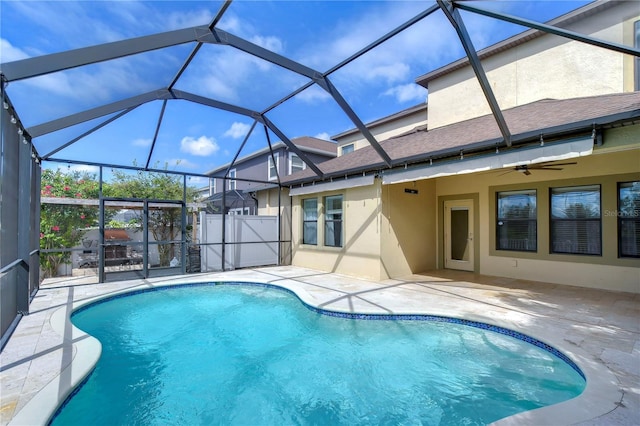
(220, 87)
(202, 147)
(83, 88)
(178, 20)
(407, 92)
(198, 181)
(98, 85)
(9, 53)
(313, 94)
(82, 168)
(407, 55)
(271, 43)
(221, 73)
(85, 168)
(237, 130)
(390, 72)
(75, 25)
(182, 162)
(324, 135)
(144, 142)
(234, 76)
(230, 23)
(237, 77)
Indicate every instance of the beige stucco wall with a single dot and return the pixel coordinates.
(408, 232)
(392, 233)
(388, 232)
(546, 67)
(605, 168)
(360, 254)
(385, 131)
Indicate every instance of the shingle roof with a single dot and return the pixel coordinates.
(546, 117)
(411, 110)
(304, 143)
(315, 143)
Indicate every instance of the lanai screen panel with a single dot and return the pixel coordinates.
(364, 56)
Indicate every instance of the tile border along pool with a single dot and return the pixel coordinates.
(598, 330)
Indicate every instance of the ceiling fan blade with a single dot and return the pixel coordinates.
(564, 164)
(549, 163)
(526, 172)
(548, 168)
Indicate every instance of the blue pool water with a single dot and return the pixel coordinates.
(247, 355)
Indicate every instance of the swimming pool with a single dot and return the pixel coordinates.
(261, 357)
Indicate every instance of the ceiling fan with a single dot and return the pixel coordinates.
(547, 165)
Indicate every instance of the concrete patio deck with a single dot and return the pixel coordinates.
(599, 330)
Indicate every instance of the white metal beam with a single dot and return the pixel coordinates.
(550, 29)
(46, 64)
(101, 111)
(454, 17)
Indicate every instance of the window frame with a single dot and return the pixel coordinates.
(352, 147)
(232, 182)
(293, 155)
(634, 217)
(636, 44)
(333, 222)
(310, 221)
(212, 186)
(276, 156)
(553, 220)
(500, 220)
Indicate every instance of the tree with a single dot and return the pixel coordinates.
(62, 225)
(581, 211)
(164, 222)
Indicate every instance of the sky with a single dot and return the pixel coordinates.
(194, 138)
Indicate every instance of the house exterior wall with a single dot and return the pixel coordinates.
(257, 168)
(385, 130)
(538, 69)
(405, 234)
(387, 232)
(392, 233)
(408, 228)
(360, 252)
(252, 168)
(605, 168)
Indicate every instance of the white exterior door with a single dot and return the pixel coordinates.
(458, 235)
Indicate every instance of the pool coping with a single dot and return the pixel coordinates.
(595, 401)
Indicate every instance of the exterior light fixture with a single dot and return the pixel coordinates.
(13, 120)
(24, 141)
(20, 131)
(5, 104)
